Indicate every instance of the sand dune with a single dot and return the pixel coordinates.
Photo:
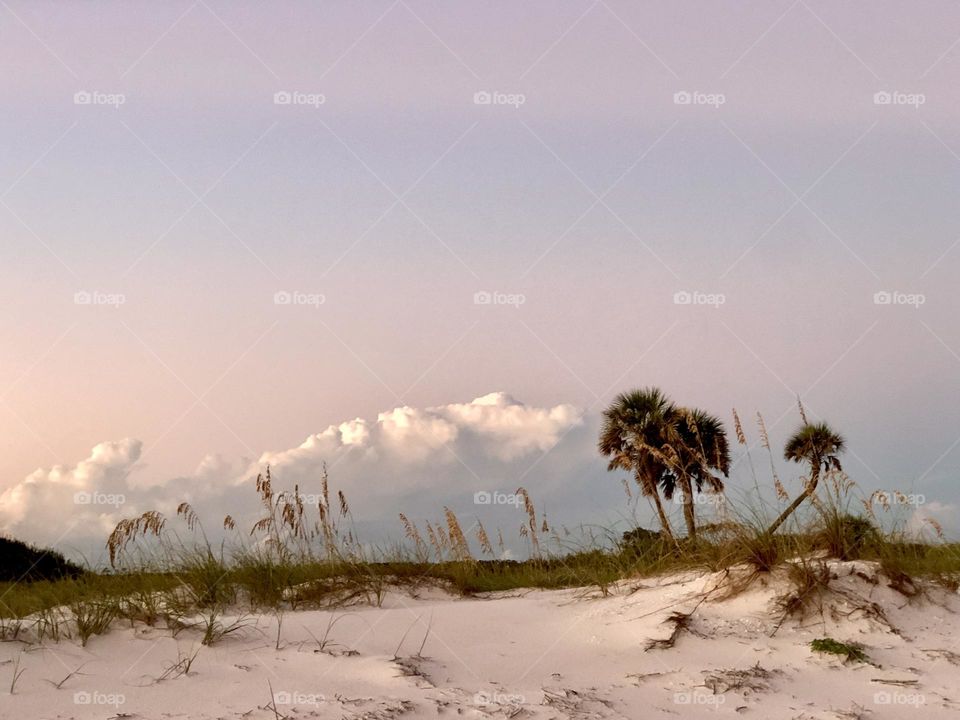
(531, 654)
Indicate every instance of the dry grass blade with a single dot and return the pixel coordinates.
(681, 622)
(17, 673)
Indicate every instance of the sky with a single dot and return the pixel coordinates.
(427, 243)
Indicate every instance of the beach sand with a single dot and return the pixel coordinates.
(523, 654)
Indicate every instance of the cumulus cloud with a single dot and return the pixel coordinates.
(494, 426)
(405, 452)
(49, 501)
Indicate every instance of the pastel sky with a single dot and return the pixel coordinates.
(790, 168)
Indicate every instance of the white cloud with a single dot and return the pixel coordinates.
(512, 428)
(49, 501)
(493, 426)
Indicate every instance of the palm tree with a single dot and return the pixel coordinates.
(633, 433)
(698, 446)
(818, 445)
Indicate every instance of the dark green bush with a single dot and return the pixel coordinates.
(20, 562)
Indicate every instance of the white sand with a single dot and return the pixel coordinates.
(531, 654)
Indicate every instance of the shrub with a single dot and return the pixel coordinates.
(845, 536)
(20, 562)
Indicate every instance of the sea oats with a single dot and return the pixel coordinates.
(781, 491)
(531, 519)
(738, 428)
(764, 438)
(938, 528)
(483, 539)
(187, 513)
(411, 532)
(458, 541)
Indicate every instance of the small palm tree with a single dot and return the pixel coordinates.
(698, 448)
(634, 431)
(818, 445)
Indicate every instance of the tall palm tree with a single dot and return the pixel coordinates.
(697, 448)
(818, 445)
(633, 432)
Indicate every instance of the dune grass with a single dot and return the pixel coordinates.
(200, 590)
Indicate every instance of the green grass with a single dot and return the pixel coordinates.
(850, 652)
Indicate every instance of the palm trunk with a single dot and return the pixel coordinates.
(688, 513)
(811, 487)
(664, 522)
(648, 486)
